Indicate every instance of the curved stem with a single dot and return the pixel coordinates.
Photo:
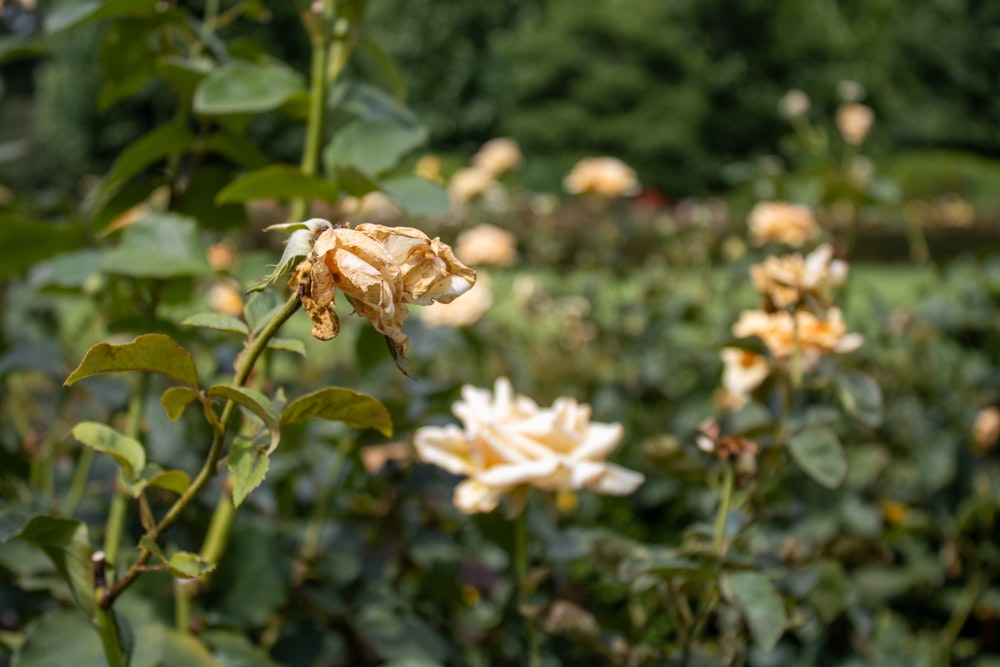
(208, 469)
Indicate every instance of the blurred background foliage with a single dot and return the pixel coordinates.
(678, 89)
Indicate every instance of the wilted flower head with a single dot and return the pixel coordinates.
(794, 103)
(380, 270)
(497, 156)
(462, 312)
(486, 245)
(603, 176)
(507, 443)
(788, 280)
(781, 222)
(854, 121)
(743, 370)
(729, 446)
(468, 184)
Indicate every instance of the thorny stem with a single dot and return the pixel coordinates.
(208, 469)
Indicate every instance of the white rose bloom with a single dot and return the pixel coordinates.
(507, 442)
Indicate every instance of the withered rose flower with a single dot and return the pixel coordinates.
(781, 222)
(380, 270)
(602, 176)
(790, 279)
(508, 444)
(486, 245)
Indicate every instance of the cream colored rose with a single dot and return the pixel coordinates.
(462, 312)
(484, 245)
(497, 156)
(854, 121)
(507, 443)
(781, 222)
(468, 184)
(225, 297)
(603, 176)
(986, 429)
(787, 280)
(744, 371)
(375, 206)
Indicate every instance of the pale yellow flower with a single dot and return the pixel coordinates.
(497, 156)
(854, 120)
(787, 280)
(429, 167)
(794, 103)
(225, 297)
(486, 245)
(469, 183)
(603, 176)
(986, 429)
(375, 206)
(221, 256)
(462, 312)
(380, 270)
(781, 222)
(744, 371)
(507, 443)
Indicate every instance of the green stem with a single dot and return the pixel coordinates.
(796, 352)
(977, 584)
(208, 469)
(317, 101)
(182, 605)
(110, 638)
(78, 485)
(115, 526)
(218, 529)
(524, 584)
(718, 543)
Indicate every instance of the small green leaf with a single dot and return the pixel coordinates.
(248, 464)
(144, 152)
(278, 181)
(818, 452)
(287, 345)
(127, 451)
(255, 402)
(12, 521)
(150, 545)
(158, 245)
(373, 147)
(387, 68)
(219, 322)
(66, 543)
(182, 75)
(754, 595)
(186, 565)
(171, 480)
(72, 14)
(153, 353)
(418, 196)
(340, 404)
(242, 87)
(861, 397)
(176, 399)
